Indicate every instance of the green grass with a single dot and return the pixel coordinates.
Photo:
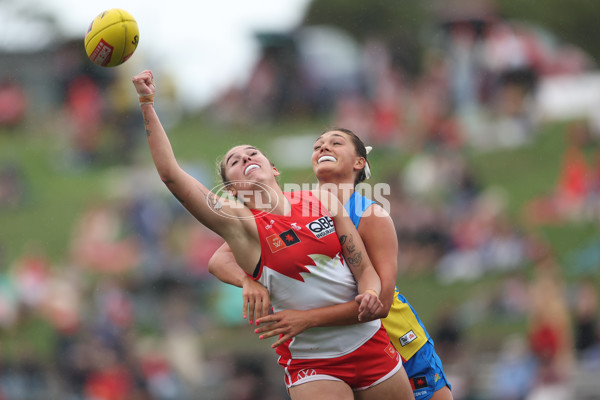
(57, 195)
(54, 197)
(532, 171)
(32, 337)
(524, 172)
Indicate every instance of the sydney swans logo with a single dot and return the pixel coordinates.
(223, 201)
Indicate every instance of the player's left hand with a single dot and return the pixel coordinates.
(287, 323)
(369, 306)
(256, 301)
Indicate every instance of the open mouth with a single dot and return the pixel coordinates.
(250, 168)
(326, 158)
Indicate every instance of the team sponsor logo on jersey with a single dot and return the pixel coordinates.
(407, 338)
(275, 243)
(283, 240)
(418, 382)
(289, 237)
(321, 227)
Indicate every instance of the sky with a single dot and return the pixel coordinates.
(206, 46)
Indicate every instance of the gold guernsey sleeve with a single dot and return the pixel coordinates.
(404, 328)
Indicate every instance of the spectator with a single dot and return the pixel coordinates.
(84, 106)
(549, 332)
(13, 103)
(12, 186)
(586, 313)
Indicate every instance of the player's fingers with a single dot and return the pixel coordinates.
(270, 332)
(266, 305)
(258, 308)
(368, 308)
(147, 74)
(251, 307)
(245, 307)
(364, 304)
(139, 77)
(266, 319)
(373, 306)
(362, 315)
(281, 341)
(366, 315)
(262, 329)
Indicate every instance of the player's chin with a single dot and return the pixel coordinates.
(325, 165)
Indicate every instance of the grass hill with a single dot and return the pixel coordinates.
(55, 194)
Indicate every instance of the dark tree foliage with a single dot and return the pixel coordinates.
(573, 21)
(399, 23)
(405, 24)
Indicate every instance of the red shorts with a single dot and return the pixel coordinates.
(372, 363)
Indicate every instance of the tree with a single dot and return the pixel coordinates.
(573, 22)
(399, 23)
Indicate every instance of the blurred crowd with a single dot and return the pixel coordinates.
(128, 311)
(132, 307)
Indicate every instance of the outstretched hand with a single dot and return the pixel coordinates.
(144, 83)
(369, 306)
(286, 323)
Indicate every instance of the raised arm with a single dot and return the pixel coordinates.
(194, 196)
(255, 297)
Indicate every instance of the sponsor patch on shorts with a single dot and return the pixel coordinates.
(418, 382)
(391, 351)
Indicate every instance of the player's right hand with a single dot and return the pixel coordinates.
(144, 83)
(284, 324)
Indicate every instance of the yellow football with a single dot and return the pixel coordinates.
(111, 38)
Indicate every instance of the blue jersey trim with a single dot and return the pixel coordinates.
(356, 206)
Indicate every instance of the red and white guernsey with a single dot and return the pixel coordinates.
(303, 268)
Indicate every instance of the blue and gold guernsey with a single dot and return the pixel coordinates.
(404, 327)
(406, 330)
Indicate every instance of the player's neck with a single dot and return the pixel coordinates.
(343, 189)
(270, 200)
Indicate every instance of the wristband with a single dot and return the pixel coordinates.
(146, 98)
(372, 291)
